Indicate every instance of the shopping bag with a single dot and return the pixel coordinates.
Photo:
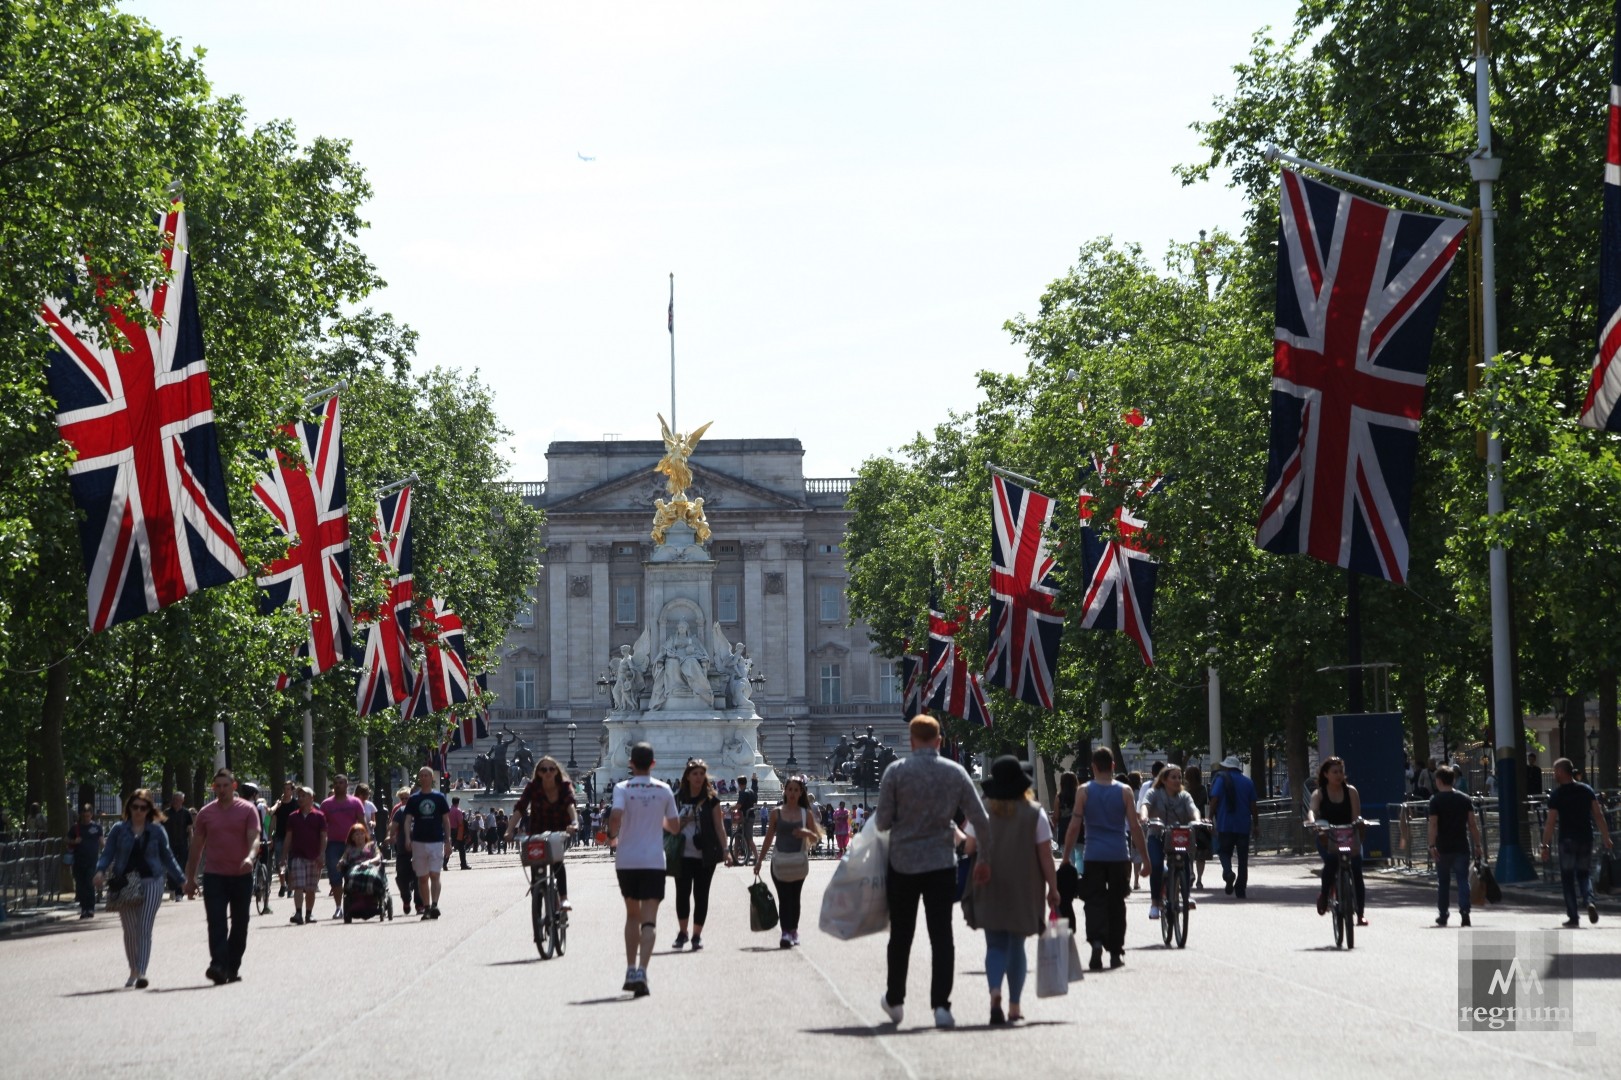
(762, 907)
(854, 903)
(1077, 970)
(1477, 886)
(1052, 961)
(1488, 885)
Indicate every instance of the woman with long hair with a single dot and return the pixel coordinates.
(1170, 805)
(1194, 786)
(793, 829)
(1017, 849)
(1337, 803)
(702, 827)
(548, 802)
(138, 844)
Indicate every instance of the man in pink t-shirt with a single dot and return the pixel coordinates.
(225, 839)
(342, 811)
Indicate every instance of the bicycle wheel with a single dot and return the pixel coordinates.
(1348, 905)
(261, 887)
(558, 920)
(1338, 913)
(537, 914)
(1179, 889)
(1167, 914)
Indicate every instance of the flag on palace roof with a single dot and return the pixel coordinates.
(147, 480)
(1358, 292)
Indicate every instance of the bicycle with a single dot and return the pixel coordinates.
(540, 851)
(1174, 907)
(1342, 891)
(261, 880)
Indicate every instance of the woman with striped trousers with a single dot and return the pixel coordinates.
(138, 843)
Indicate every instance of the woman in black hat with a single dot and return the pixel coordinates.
(1018, 850)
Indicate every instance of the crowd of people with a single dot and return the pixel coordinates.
(1100, 840)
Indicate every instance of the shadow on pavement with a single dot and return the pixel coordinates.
(513, 963)
(615, 1000)
(183, 989)
(860, 1032)
(98, 993)
(1596, 966)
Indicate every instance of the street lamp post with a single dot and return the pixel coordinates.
(572, 764)
(791, 763)
(1443, 718)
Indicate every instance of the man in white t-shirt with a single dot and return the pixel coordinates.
(643, 811)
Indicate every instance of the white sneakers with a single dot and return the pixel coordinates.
(894, 1012)
(1153, 911)
(943, 1018)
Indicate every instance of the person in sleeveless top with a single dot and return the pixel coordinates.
(790, 830)
(1337, 803)
(1018, 849)
(1109, 813)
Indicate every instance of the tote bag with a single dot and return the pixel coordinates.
(854, 903)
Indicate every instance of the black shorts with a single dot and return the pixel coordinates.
(641, 884)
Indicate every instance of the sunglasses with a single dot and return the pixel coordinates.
(140, 806)
(546, 768)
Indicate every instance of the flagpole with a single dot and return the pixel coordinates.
(395, 486)
(1513, 862)
(309, 740)
(1011, 475)
(1274, 154)
(673, 426)
(321, 395)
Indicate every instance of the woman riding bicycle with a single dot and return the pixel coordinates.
(1170, 805)
(1336, 803)
(548, 800)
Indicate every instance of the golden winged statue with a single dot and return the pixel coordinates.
(677, 449)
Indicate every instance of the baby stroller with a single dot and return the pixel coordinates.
(366, 895)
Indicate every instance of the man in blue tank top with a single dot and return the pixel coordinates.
(1107, 809)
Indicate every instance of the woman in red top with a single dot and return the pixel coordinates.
(548, 800)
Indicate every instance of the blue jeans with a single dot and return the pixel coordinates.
(1575, 873)
(1004, 955)
(1226, 843)
(1157, 866)
(1450, 867)
(334, 852)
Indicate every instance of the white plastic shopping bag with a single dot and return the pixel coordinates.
(1052, 960)
(854, 904)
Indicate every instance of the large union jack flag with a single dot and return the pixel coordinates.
(444, 677)
(308, 498)
(1604, 387)
(385, 669)
(951, 687)
(140, 418)
(1359, 289)
(1120, 573)
(472, 721)
(1025, 624)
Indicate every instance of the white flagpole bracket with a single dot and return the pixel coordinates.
(322, 395)
(395, 486)
(1274, 154)
(1011, 475)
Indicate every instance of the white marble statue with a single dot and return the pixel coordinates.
(735, 666)
(682, 662)
(628, 681)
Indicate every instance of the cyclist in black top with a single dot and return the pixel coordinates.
(1337, 803)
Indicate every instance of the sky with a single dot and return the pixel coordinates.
(853, 198)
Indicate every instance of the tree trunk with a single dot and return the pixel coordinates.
(129, 776)
(169, 773)
(1416, 711)
(53, 770)
(200, 774)
(1609, 739)
(1573, 732)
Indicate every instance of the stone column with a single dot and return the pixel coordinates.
(754, 610)
(557, 626)
(583, 667)
(602, 613)
(794, 550)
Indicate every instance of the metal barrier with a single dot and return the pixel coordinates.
(32, 873)
(1277, 827)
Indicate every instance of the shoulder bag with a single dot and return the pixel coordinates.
(790, 865)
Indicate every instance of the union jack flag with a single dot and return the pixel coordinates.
(1119, 572)
(914, 672)
(140, 417)
(1359, 289)
(1604, 387)
(444, 664)
(952, 688)
(307, 496)
(1026, 623)
(385, 670)
(467, 725)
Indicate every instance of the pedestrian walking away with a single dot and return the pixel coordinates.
(343, 811)
(548, 803)
(457, 821)
(643, 812)
(308, 830)
(748, 796)
(702, 849)
(790, 832)
(84, 848)
(225, 838)
(138, 844)
(1016, 854)
(919, 799)
(1454, 835)
(1575, 810)
(1337, 803)
(1107, 810)
(1232, 798)
(427, 839)
(1193, 784)
(177, 823)
(284, 808)
(405, 878)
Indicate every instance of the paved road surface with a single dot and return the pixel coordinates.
(1259, 992)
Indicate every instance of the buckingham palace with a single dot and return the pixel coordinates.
(779, 587)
